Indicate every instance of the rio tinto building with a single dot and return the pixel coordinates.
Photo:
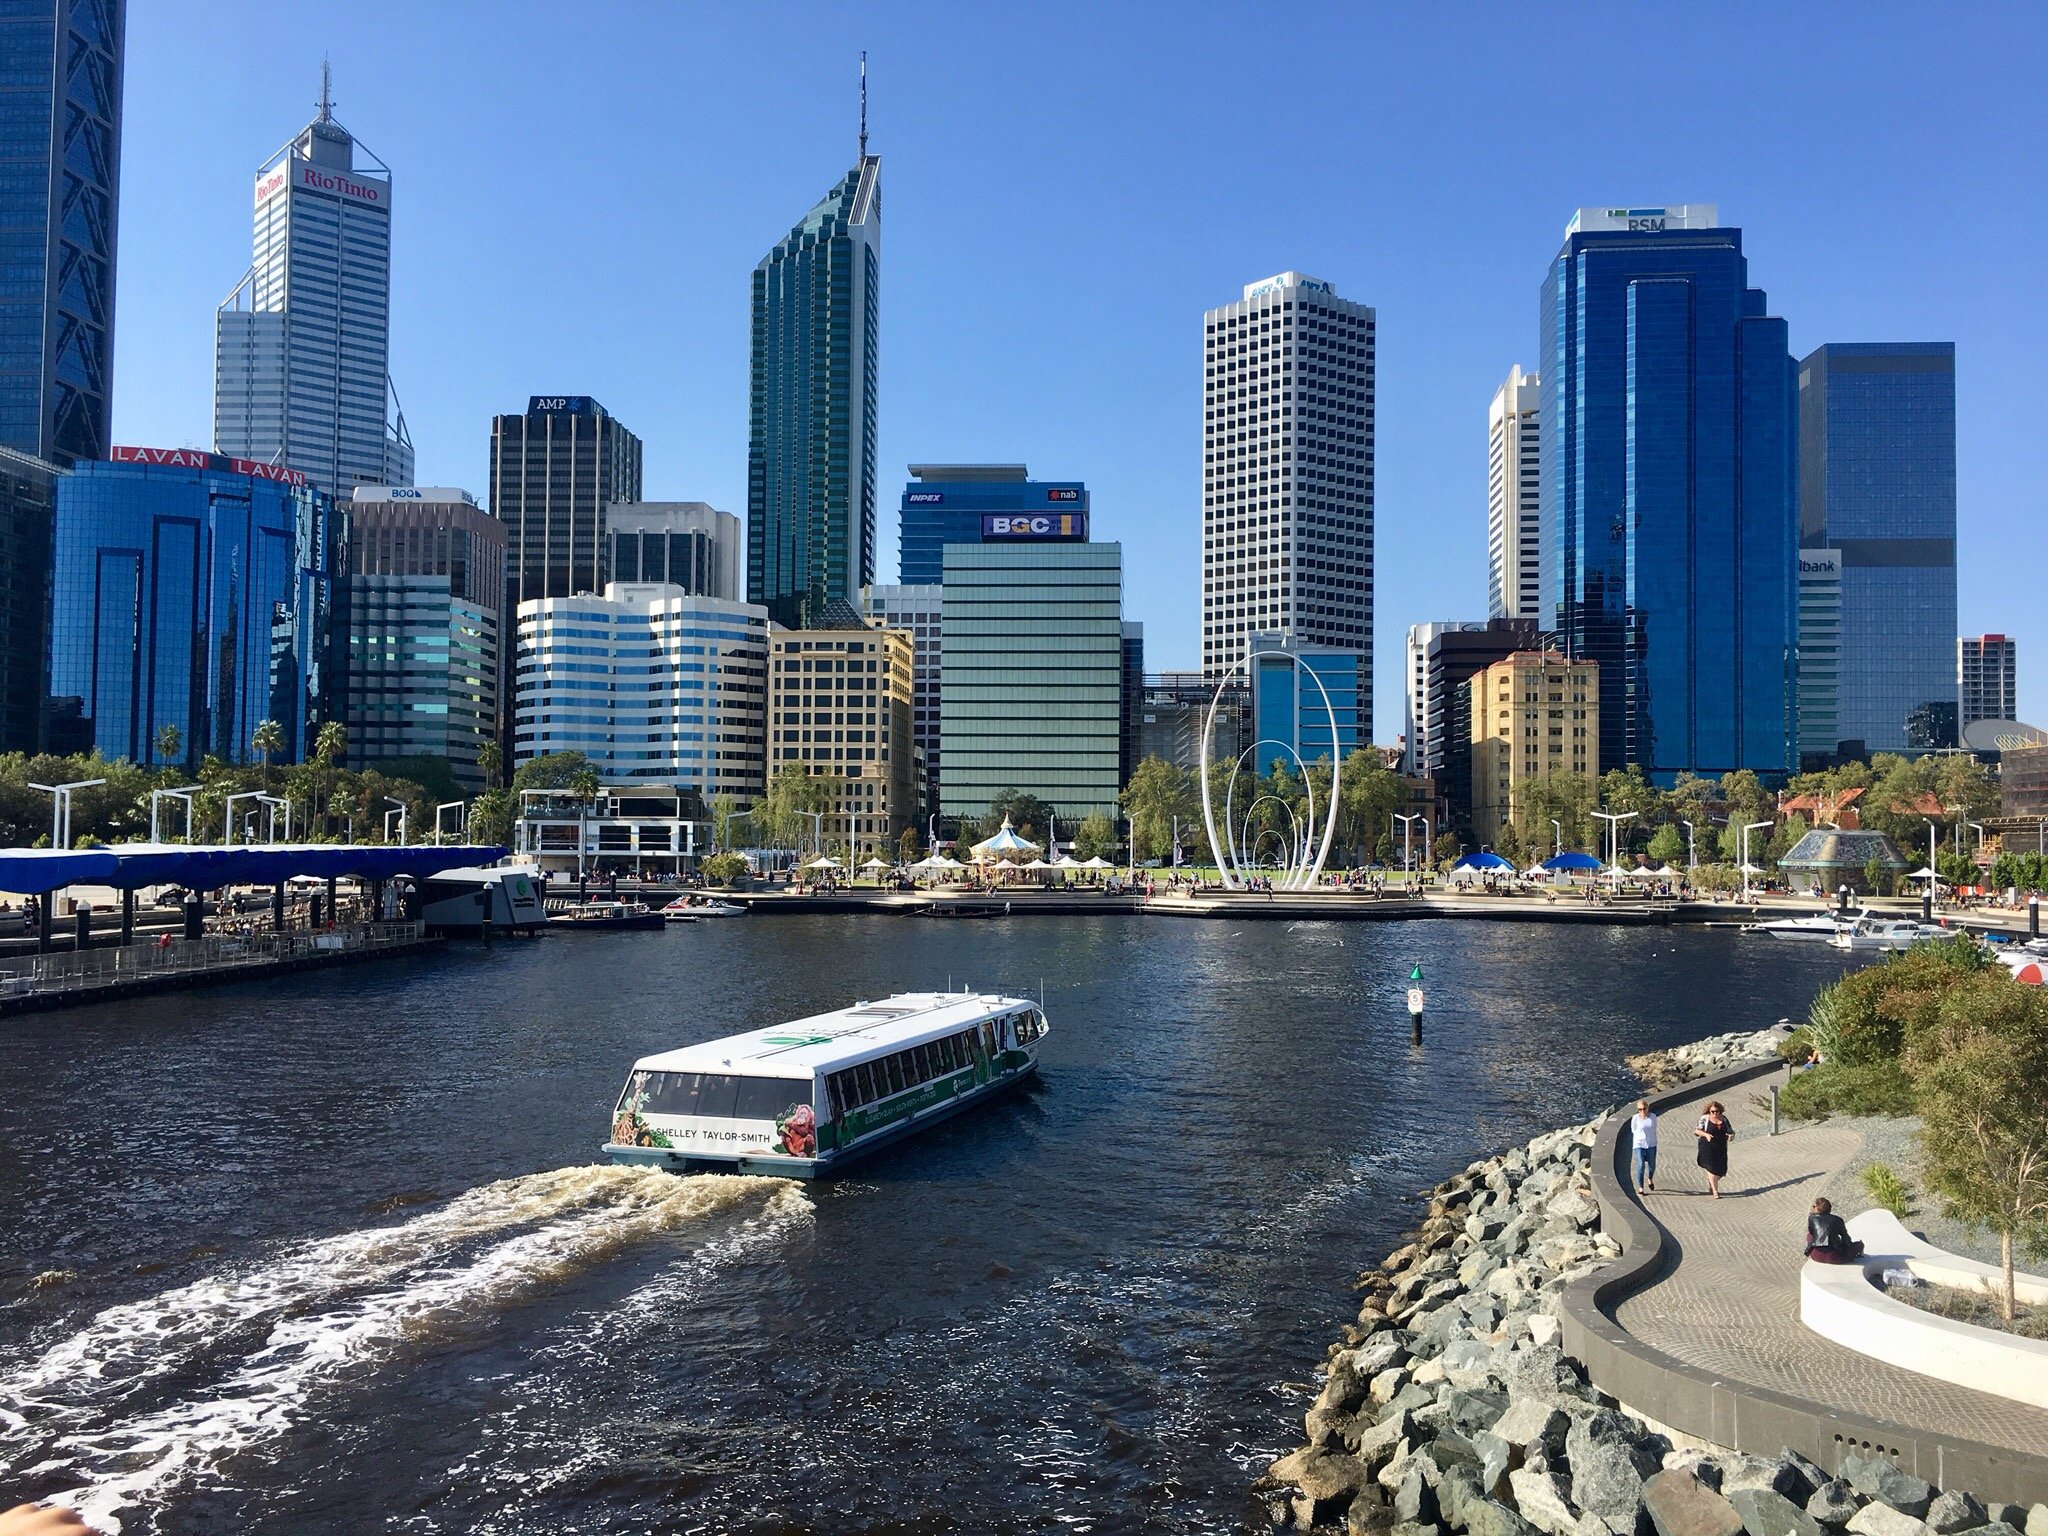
(302, 345)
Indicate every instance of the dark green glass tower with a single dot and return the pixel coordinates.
(811, 452)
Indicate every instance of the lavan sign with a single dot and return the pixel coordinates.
(199, 458)
(1043, 525)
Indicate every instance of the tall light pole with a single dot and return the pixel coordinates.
(1747, 867)
(156, 799)
(445, 805)
(274, 801)
(228, 812)
(394, 800)
(1979, 828)
(1556, 837)
(1408, 838)
(1614, 819)
(60, 808)
(1692, 853)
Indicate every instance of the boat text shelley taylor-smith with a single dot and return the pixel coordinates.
(799, 1099)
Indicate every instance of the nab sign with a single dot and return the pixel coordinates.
(1070, 526)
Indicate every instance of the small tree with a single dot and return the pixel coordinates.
(1984, 1120)
(267, 738)
(1095, 838)
(170, 744)
(722, 868)
(1875, 875)
(1667, 844)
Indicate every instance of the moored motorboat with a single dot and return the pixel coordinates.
(711, 906)
(1818, 928)
(1873, 934)
(605, 916)
(802, 1098)
(679, 911)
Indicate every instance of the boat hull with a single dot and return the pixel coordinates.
(774, 1165)
(605, 924)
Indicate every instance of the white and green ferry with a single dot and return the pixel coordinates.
(800, 1099)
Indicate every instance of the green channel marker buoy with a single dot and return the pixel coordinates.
(1415, 1007)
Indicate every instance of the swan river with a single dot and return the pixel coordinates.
(335, 1252)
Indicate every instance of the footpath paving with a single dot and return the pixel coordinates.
(1730, 1302)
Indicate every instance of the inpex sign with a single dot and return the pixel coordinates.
(925, 498)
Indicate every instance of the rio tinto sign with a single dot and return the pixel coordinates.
(323, 179)
(199, 458)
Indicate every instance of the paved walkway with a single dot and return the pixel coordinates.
(1730, 1304)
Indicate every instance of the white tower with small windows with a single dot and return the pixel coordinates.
(1287, 456)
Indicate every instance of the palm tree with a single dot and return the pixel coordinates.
(490, 757)
(170, 744)
(267, 738)
(329, 746)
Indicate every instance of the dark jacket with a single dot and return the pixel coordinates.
(1826, 1230)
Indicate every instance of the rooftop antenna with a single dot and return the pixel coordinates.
(326, 93)
(863, 103)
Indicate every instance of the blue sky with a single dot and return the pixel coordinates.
(581, 192)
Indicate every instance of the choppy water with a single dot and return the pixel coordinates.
(334, 1255)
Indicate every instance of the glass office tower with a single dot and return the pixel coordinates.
(28, 501)
(195, 591)
(1877, 484)
(1031, 677)
(811, 442)
(968, 503)
(1669, 506)
(60, 172)
(1291, 710)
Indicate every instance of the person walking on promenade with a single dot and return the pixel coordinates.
(1827, 1236)
(1642, 1128)
(1714, 1132)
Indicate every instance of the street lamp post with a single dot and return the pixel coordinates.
(445, 805)
(1407, 839)
(60, 808)
(1614, 819)
(274, 801)
(1556, 837)
(1692, 852)
(402, 819)
(1746, 865)
(156, 799)
(228, 812)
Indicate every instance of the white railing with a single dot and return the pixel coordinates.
(217, 952)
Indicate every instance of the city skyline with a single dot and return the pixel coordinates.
(979, 356)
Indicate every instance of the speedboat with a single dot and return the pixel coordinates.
(711, 906)
(606, 916)
(678, 911)
(1871, 934)
(1823, 926)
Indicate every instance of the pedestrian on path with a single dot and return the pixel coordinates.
(1642, 1128)
(1713, 1133)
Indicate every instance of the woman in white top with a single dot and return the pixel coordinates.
(1642, 1127)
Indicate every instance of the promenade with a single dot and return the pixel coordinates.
(1726, 1301)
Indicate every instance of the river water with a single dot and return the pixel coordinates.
(334, 1253)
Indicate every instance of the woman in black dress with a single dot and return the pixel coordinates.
(1714, 1132)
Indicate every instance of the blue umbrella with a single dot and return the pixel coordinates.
(1572, 862)
(1483, 860)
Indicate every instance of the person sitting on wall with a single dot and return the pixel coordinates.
(1827, 1236)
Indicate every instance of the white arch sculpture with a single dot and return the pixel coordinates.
(1302, 872)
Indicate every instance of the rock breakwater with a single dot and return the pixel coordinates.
(1449, 1406)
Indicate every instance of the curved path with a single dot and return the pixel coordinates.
(1698, 1325)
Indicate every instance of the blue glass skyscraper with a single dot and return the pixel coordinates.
(1877, 485)
(979, 503)
(194, 591)
(60, 169)
(1669, 506)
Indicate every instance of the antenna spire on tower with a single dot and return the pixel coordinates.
(863, 103)
(326, 93)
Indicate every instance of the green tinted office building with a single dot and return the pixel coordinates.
(811, 442)
(1031, 677)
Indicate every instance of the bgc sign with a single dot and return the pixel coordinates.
(1071, 526)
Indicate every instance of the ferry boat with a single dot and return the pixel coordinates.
(803, 1098)
(605, 916)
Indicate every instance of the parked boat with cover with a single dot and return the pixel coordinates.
(803, 1098)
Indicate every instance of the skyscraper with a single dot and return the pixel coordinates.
(1514, 498)
(970, 503)
(811, 446)
(554, 471)
(302, 346)
(1987, 679)
(687, 544)
(1287, 472)
(60, 174)
(1877, 484)
(1669, 551)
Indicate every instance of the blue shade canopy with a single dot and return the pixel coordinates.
(36, 871)
(1483, 860)
(1571, 861)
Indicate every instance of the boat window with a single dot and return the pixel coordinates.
(894, 1067)
(988, 1036)
(864, 1082)
(927, 1069)
(769, 1098)
(835, 1089)
(949, 1053)
(690, 1093)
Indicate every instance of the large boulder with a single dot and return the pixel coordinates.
(1543, 1502)
(1490, 1517)
(1780, 1475)
(1766, 1512)
(1875, 1519)
(1877, 1479)
(1328, 1482)
(1609, 1464)
(1834, 1503)
(1955, 1511)
(1543, 1372)
(1680, 1504)
(1531, 1421)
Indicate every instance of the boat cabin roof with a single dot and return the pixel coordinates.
(825, 1042)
